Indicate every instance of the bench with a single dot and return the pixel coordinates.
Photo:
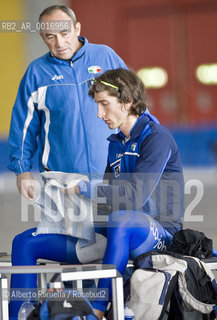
(73, 273)
(67, 273)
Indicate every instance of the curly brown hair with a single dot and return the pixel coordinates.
(123, 84)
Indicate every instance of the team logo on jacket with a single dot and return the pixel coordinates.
(119, 155)
(133, 146)
(117, 170)
(94, 69)
(57, 77)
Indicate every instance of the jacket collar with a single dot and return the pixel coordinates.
(137, 128)
(78, 54)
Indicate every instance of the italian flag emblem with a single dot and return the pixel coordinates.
(94, 69)
(133, 147)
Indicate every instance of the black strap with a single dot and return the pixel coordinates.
(176, 309)
(170, 291)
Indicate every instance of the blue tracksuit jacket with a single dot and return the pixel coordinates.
(144, 173)
(54, 113)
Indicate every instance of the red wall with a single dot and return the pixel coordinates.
(176, 35)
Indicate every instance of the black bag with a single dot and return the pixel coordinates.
(192, 243)
(72, 305)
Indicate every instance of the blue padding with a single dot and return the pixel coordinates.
(198, 146)
(4, 157)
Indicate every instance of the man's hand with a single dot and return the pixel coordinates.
(26, 185)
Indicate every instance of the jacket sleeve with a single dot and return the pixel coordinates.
(88, 189)
(136, 188)
(24, 126)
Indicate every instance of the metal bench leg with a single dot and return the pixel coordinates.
(3, 297)
(55, 282)
(118, 298)
(77, 284)
(42, 281)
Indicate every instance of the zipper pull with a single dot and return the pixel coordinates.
(71, 63)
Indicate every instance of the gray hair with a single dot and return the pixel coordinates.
(65, 9)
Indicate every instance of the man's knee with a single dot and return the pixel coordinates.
(21, 244)
(120, 218)
(16, 244)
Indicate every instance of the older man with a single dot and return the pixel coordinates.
(53, 111)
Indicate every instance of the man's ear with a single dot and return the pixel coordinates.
(127, 106)
(78, 28)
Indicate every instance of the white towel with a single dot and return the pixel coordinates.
(65, 213)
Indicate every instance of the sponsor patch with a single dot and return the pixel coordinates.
(117, 170)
